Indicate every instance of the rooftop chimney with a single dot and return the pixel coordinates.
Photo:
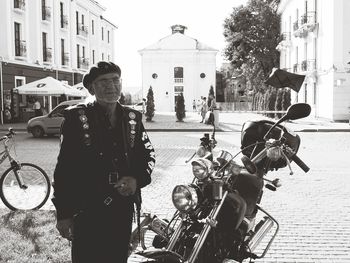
(178, 29)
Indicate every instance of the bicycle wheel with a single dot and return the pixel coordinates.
(33, 195)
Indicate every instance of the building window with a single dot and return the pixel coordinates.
(315, 93)
(20, 4)
(45, 58)
(103, 56)
(102, 33)
(78, 56)
(93, 56)
(178, 74)
(109, 58)
(202, 75)
(61, 15)
(63, 62)
(305, 93)
(43, 7)
(77, 21)
(82, 20)
(93, 27)
(18, 39)
(108, 36)
(178, 89)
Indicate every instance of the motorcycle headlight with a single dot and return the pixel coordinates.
(185, 198)
(201, 168)
(274, 153)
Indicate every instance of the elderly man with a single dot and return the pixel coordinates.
(105, 159)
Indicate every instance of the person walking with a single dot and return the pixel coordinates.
(204, 108)
(106, 157)
(194, 108)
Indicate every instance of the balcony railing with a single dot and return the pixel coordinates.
(20, 4)
(64, 21)
(178, 80)
(307, 23)
(83, 29)
(65, 59)
(308, 18)
(47, 55)
(308, 65)
(46, 13)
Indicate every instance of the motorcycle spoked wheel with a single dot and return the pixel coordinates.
(209, 252)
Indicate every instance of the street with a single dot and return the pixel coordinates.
(313, 209)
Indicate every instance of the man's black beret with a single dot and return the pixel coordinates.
(101, 68)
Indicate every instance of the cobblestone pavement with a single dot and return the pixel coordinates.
(313, 209)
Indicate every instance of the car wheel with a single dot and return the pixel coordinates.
(37, 132)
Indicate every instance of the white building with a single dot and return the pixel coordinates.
(316, 43)
(177, 63)
(58, 38)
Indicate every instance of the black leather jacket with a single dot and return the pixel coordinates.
(84, 162)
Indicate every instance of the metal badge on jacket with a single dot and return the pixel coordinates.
(132, 124)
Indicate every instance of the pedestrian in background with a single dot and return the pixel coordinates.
(204, 108)
(105, 159)
(194, 105)
(37, 108)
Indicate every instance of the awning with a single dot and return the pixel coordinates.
(48, 87)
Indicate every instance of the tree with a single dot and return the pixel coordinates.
(122, 99)
(210, 95)
(252, 33)
(180, 107)
(278, 105)
(150, 105)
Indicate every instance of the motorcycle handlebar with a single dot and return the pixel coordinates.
(300, 163)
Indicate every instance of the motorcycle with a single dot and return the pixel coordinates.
(216, 218)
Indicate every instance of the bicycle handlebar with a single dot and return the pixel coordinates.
(8, 135)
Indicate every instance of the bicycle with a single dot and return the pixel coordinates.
(23, 186)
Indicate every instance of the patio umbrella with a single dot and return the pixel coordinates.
(280, 78)
(80, 87)
(48, 87)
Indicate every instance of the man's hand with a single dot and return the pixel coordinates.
(126, 185)
(65, 227)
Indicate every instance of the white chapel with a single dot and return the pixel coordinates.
(177, 64)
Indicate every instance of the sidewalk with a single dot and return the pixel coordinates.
(228, 121)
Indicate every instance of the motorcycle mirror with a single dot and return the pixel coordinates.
(294, 112)
(298, 111)
(248, 164)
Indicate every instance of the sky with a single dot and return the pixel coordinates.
(143, 22)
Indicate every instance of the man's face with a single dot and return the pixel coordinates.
(107, 88)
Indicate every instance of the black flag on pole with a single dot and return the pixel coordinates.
(280, 79)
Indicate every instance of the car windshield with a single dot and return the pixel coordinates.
(58, 111)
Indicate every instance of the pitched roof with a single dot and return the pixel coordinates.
(178, 41)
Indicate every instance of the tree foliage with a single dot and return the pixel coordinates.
(252, 33)
(150, 105)
(180, 107)
(210, 95)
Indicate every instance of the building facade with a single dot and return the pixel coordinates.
(40, 38)
(178, 64)
(316, 43)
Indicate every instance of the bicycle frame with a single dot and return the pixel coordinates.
(14, 164)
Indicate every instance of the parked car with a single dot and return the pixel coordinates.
(139, 107)
(49, 124)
